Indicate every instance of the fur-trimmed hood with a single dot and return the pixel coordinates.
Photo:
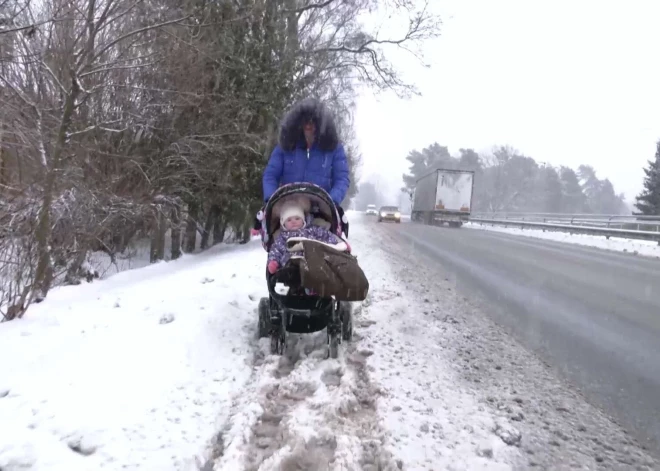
(291, 132)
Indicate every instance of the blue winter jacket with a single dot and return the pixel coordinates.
(328, 169)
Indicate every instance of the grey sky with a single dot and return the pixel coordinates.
(564, 82)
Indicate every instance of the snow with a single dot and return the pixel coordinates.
(389, 400)
(137, 371)
(548, 420)
(158, 368)
(639, 247)
(135, 256)
(433, 421)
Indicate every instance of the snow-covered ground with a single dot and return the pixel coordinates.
(433, 420)
(548, 420)
(134, 372)
(391, 401)
(135, 256)
(158, 368)
(640, 247)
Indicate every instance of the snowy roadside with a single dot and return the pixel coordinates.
(391, 401)
(158, 368)
(647, 248)
(433, 421)
(134, 372)
(558, 429)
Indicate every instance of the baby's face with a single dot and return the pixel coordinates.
(293, 223)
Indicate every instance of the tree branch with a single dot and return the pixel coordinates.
(313, 6)
(100, 52)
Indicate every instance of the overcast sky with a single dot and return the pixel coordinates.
(566, 82)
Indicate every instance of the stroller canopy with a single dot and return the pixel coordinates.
(312, 197)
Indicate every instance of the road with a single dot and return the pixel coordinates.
(592, 314)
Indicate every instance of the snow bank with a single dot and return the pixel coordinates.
(640, 247)
(136, 371)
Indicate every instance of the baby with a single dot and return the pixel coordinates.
(294, 223)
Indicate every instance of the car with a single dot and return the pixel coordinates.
(389, 213)
(371, 210)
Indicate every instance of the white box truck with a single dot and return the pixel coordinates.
(443, 197)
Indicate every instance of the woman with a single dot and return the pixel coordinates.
(309, 151)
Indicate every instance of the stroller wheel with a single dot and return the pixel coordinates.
(277, 344)
(333, 345)
(278, 335)
(346, 317)
(334, 331)
(264, 318)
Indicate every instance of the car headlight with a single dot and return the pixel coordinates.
(397, 215)
(382, 214)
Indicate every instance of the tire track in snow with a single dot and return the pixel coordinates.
(302, 411)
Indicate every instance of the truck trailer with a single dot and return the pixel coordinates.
(443, 196)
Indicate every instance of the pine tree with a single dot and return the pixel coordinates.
(648, 201)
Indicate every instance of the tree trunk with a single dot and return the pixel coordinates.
(44, 272)
(4, 175)
(219, 228)
(207, 230)
(211, 218)
(292, 41)
(191, 228)
(157, 251)
(72, 274)
(238, 233)
(153, 248)
(245, 234)
(176, 232)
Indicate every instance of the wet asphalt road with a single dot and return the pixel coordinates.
(592, 314)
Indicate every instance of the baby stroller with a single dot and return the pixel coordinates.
(296, 311)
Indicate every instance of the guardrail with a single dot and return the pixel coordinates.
(629, 227)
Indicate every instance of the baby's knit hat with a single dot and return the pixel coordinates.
(291, 208)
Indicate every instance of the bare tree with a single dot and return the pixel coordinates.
(55, 87)
(126, 119)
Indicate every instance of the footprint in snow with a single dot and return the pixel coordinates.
(332, 376)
